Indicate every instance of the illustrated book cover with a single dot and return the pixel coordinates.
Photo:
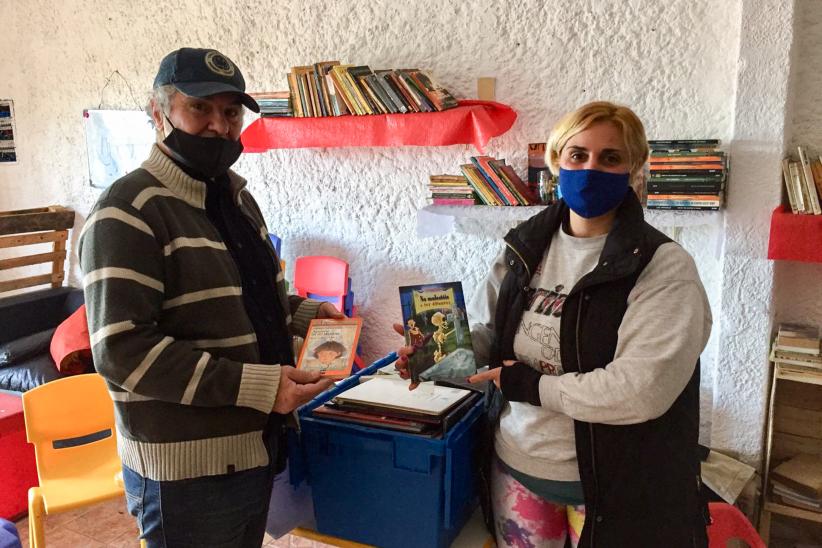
(436, 325)
(330, 347)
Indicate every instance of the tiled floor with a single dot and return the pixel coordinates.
(108, 524)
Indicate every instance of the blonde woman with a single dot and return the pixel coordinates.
(593, 323)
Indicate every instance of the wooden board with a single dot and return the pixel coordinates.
(34, 220)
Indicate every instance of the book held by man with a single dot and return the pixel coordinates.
(330, 347)
(436, 325)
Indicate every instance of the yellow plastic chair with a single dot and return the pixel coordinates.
(76, 473)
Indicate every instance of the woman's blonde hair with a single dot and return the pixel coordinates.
(633, 133)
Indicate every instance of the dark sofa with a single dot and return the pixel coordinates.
(28, 314)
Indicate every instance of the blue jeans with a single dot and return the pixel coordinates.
(226, 511)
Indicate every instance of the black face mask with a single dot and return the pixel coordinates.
(211, 156)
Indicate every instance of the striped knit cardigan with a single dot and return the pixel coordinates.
(169, 330)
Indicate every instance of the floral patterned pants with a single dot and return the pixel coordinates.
(526, 520)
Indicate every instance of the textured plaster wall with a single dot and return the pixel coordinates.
(678, 63)
(760, 110)
(798, 286)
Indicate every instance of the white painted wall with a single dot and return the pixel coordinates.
(798, 286)
(677, 63)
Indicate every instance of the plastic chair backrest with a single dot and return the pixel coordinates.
(276, 242)
(63, 410)
(322, 276)
(728, 522)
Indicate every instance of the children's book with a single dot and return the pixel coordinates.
(330, 347)
(436, 325)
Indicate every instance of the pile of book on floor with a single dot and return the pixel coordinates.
(687, 174)
(386, 402)
(452, 190)
(331, 89)
(276, 104)
(798, 482)
(797, 344)
(803, 182)
(496, 183)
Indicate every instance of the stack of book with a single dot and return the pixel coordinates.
(329, 88)
(276, 104)
(452, 190)
(803, 181)
(798, 482)
(687, 174)
(797, 344)
(496, 183)
(386, 402)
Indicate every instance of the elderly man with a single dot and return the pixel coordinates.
(191, 325)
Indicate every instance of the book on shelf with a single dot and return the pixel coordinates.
(786, 495)
(677, 145)
(784, 357)
(688, 174)
(808, 183)
(801, 474)
(798, 338)
(790, 190)
(684, 188)
(496, 183)
(710, 202)
(439, 97)
(522, 190)
(451, 190)
(436, 326)
(803, 182)
(493, 179)
(486, 194)
(536, 163)
(329, 88)
(274, 103)
(330, 347)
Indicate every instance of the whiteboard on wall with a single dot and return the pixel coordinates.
(117, 142)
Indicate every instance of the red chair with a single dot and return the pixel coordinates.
(727, 523)
(322, 277)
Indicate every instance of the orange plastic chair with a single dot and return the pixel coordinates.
(321, 276)
(728, 522)
(73, 472)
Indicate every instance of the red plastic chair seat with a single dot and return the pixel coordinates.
(728, 522)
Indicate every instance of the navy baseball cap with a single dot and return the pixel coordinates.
(203, 72)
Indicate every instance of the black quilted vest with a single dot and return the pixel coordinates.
(641, 482)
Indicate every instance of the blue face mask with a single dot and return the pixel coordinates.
(591, 193)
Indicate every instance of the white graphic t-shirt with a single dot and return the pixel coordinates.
(532, 439)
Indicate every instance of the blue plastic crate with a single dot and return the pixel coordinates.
(385, 488)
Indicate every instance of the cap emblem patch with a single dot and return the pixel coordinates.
(219, 64)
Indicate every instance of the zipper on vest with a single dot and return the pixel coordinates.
(528, 270)
(590, 426)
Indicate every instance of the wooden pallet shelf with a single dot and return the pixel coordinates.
(28, 227)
